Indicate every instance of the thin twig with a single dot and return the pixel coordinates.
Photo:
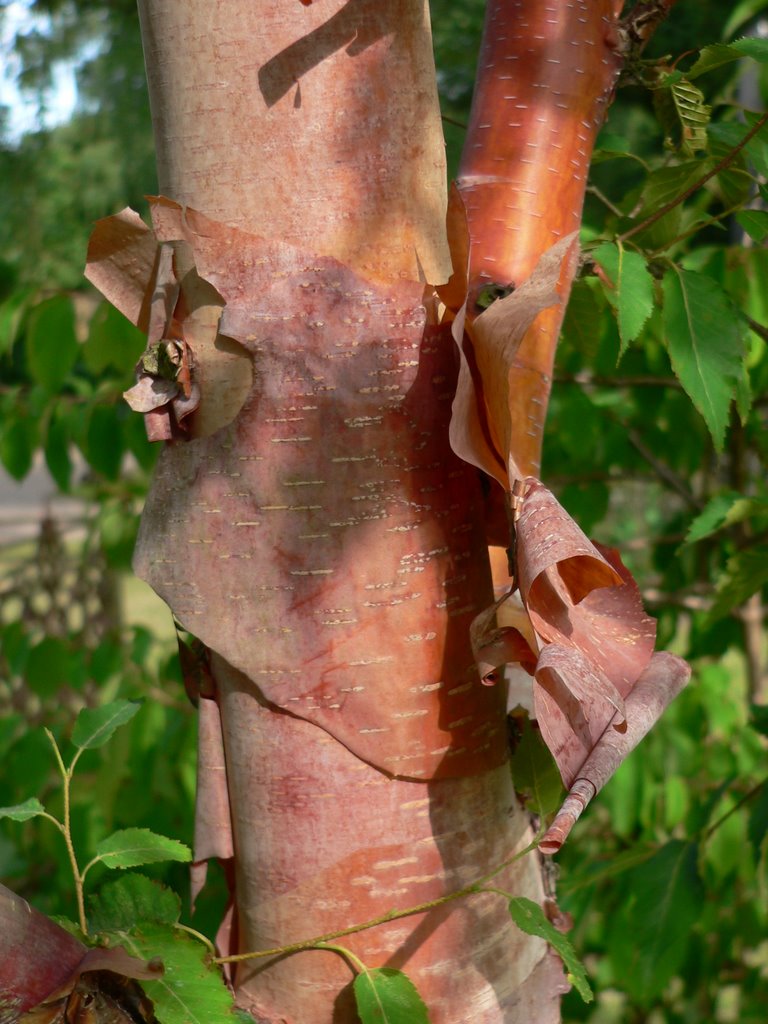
(739, 803)
(753, 325)
(719, 166)
(392, 915)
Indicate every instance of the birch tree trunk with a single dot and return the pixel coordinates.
(315, 530)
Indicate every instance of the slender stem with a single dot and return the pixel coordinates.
(391, 915)
(719, 166)
(356, 962)
(696, 227)
(193, 932)
(739, 803)
(759, 330)
(66, 830)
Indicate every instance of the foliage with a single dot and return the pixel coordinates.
(655, 442)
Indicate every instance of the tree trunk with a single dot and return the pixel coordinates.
(316, 532)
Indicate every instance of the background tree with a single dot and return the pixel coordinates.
(612, 419)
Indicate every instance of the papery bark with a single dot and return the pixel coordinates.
(316, 531)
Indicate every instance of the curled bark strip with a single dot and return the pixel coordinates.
(574, 705)
(580, 595)
(663, 679)
(213, 820)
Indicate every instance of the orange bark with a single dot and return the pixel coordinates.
(546, 73)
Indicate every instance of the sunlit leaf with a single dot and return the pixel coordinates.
(724, 510)
(706, 344)
(131, 847)
(530, 918)
(386, 996)
(94, 726)
(132, 900)
(191, 990)
(31, 808)
(632, 291)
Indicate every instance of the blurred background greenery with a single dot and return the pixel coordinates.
(666, 876)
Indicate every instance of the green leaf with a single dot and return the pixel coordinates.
(662, 186)
(534, 773)
(530, 918)
(754, 222)
(11, 315)
(724, 510)
(94, 726)
(104, 441)
(731, 133)
(745, 574)
(757, 828)
(714, 56)
(51, 344)
(31, 808)
(753, 46)
(191, 990)
(706, 344)
(131, 847)
(57, 450)
(16, 446)
(741, 14)
(50, 666)
(632, 291)
(130, 901)
(112, 341)
(666, 900)
(683, 115)
(386, 996)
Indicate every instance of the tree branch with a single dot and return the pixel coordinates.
(719, 166)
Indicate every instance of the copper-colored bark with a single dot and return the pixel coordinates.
(546, 73)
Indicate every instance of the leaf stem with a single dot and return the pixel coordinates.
(190, 931)
(721, 165)
(66, 829)
(391, 915)
(356, 962)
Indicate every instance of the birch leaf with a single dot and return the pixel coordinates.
(706, 344)
(632, 289)
(94, 726)
(191, 990)
(530, 918)
(31, 808)
(754, 222)
(387, 996)
(131, 847)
